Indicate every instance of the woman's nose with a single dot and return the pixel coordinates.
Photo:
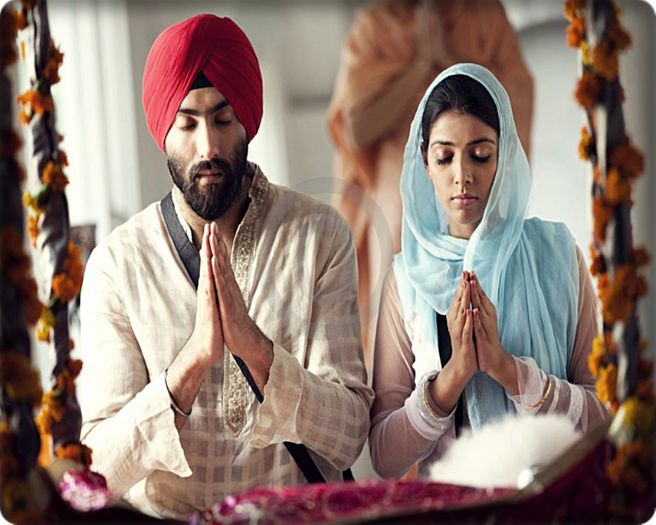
(462, 175)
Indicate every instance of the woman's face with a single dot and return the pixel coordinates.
(461, 160)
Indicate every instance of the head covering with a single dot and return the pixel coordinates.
(528, 268)
(207, 44)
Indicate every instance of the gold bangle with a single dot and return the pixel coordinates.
(547, 391)
(427, 404)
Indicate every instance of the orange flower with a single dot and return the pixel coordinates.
(21, 20)
(33, 228)
(585, 53)
(32, 203)
(618, 297)
(597, 264)
(76, 452)
(23, 117)
(74, 365)
(62, 157)
(66, 285)
(575, 32)
(574, 9)
(45, 324)
(640, 256)
(606, 385)
(597, 357)
(644, 390)
(617, 37)
(54, 177)
(66, 383)
(586, 144)
(38, 102)
(596, 172)
(19, 380)
(51, 411)
(588, 89)
(618, 189)
(626, 468)
(628, 160)
(638, 414)
(51, 70)
(602, 213)
(604, 60)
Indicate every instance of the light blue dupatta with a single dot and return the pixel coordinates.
(527, 267)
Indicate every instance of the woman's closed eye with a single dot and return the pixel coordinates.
(481, 159)
(443, 161)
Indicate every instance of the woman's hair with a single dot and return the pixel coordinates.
(464, 94)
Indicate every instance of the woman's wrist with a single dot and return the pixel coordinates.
(452, 381)
(505, 373)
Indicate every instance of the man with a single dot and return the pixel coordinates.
(168, 413)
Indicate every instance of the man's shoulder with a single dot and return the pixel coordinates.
(293, 205)
(137, 234)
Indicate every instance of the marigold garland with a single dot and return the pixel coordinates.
(619, 283)
(66, 285)
(19, 381)
(76, 452)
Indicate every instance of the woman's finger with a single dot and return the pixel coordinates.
(486, 304)
(467, 328)
(479, 326)
(457, 296)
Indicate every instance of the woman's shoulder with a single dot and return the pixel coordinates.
(551, 233)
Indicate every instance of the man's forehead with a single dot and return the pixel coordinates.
(202, 100)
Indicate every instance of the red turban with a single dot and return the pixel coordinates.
(219, 49)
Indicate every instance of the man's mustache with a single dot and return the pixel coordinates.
(215, 164)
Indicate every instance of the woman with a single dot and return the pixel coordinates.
(484, 312)
(394, 49)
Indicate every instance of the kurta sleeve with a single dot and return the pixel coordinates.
(406, 426)
(575, 397)
(126, 416)
(323, 403)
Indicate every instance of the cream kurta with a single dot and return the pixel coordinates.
(294, 260)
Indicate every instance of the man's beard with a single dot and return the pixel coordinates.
(213, 200)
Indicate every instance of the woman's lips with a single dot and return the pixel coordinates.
(464, 200)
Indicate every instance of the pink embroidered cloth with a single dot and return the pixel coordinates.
(581, 493)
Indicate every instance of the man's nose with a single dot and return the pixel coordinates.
(207, 141)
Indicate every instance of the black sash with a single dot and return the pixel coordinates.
(191, 260)
(444, 347)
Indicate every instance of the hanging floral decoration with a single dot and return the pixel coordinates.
(48, 229)
(20, 308)
(618, 359)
